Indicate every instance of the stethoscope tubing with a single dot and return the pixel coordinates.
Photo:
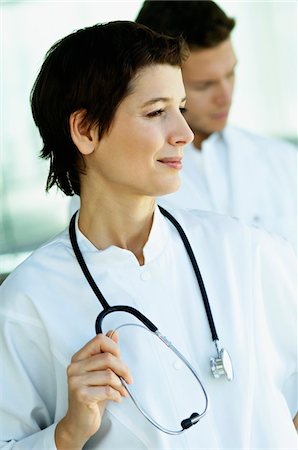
(149, 326)
(198, 416)
(189, 251)
(196, 270)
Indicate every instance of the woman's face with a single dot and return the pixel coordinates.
(141, 153)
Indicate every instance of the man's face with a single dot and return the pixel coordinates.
(208, 76)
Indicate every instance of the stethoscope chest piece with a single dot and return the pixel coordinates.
(222, 365)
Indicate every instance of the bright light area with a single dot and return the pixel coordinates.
(265, 40)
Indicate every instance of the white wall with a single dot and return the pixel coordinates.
(265, 39)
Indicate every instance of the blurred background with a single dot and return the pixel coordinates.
(265, 100)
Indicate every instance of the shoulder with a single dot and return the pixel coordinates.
(258, 140)
(209, 225)
(225, 233)
(35, 273)
(54, 250)
(193, 217)
(272, 250)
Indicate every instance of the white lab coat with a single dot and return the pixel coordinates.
(47, 313)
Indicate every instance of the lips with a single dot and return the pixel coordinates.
(172, 162)
(220, 115)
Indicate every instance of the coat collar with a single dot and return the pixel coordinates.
(114, 255)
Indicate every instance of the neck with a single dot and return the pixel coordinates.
(198, 140)
(126, 224)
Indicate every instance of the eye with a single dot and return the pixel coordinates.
(156, 113)
(205, 86)
(183, 110)
(231, 74)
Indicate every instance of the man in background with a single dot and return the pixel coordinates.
(226, 169)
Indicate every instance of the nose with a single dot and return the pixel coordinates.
(223, 95)
(181, 133)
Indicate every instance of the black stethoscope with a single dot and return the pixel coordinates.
(220, 364)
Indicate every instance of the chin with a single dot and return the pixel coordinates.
(219, 125)
(169, 190)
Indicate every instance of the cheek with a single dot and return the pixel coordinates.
(232, 85)
(197, 102)
(136, 150)
(136, 144)
(138, 132)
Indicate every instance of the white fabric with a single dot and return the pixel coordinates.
(47, 313)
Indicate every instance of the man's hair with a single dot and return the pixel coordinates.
(203, 24)
(91, 69)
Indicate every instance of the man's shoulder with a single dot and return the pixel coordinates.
(221, 226)
(233, 134)
(209, 223)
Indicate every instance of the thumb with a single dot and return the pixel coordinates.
(113, 335)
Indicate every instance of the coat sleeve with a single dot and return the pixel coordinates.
(28, 391)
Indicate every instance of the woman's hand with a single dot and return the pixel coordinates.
(93, 378)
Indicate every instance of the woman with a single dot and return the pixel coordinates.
(109, 104)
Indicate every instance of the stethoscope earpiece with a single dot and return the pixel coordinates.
(222, 365)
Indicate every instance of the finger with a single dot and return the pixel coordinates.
(101, 362)
(99, 344)
(113, 335)
(89, 395)
(101, 378)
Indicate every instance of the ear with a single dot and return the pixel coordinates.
(84, 137)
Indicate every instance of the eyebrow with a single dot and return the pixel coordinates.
(160, 99)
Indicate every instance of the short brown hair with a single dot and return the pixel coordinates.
(91, 69)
